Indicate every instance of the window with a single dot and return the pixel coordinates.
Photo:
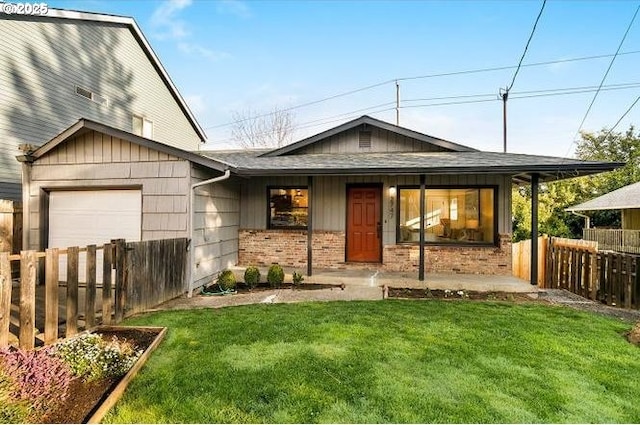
(142, 127)
(452, 215)
(288, 207)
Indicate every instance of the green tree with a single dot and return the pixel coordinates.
(554, 197)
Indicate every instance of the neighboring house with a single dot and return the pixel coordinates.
(66, 65)
(627, 201)
(365, 194)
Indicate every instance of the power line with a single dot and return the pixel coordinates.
(604, 78)
(526, 47)
(622, 117)
(427, 76)
(490, 98)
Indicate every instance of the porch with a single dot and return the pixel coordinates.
(375, 278)
(620, 240)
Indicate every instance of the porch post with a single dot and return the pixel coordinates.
(309, 225)
(422, 212)
(535, 177)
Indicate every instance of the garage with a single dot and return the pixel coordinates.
(84, 217)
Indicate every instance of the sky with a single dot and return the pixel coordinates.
(344, 57)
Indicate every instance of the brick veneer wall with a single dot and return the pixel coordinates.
(289, 248)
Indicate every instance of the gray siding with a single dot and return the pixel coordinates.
(381, 141)
(329, 199)
(215, 226)
(43, 59)
(96, 161)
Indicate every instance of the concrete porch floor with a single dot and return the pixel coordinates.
(374, 278)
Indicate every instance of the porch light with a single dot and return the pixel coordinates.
(392, 191)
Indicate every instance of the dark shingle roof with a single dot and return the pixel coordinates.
(251, 163)
(620, 199)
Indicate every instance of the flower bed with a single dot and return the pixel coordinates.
(75, 380)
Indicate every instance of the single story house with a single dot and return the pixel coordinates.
(365, 194)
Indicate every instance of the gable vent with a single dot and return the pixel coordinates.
(364, 139)
(95, 97)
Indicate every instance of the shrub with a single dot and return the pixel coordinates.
(91, 357)
(297, 278)
(34, 382)
(252, 276)
(226, 280)
(275, 276)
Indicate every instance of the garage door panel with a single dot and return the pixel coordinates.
(81, 218)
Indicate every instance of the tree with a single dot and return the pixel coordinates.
(252, 129)
(554, 197)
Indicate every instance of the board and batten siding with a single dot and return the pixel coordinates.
(97, 161)
(215, 225)
(328, 200)
(43, 59)
(381, 141)
(631, 219)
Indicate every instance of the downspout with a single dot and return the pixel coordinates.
(192, 247)
(587, 219)
(26, 160)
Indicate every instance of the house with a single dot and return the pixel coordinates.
(67, 65)
(627, 201)
(365, 194)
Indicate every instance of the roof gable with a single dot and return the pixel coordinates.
(84, 125)
(131, 24)
(383, 137)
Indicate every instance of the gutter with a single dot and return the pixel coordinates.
(192, 247)
(587, 219)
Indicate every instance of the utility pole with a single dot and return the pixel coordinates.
(504, 95)
(397, 103)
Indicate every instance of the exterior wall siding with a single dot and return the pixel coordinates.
(87, 161)
(43, 59)
(381, 141)
(289, 248)
(328, 199)
(215, 226)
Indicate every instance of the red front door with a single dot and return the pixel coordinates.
(364, 228)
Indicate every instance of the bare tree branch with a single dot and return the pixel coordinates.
(255, 130)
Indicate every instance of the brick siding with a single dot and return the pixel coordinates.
(289, 248)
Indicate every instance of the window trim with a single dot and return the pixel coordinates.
(496, 191)
(268, 209)
(144, 119)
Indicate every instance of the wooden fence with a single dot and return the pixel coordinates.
(521, 259)
(580, 267)
(135, 276)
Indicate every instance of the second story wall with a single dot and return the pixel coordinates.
(42, 62)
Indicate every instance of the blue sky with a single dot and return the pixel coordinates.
(234, 55)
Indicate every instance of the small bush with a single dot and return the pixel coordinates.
(226, 280)
(91, 357)
(252, 276)
(275, 276)
(33, 382)
(297, 278)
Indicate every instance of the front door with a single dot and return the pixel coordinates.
(364, 228)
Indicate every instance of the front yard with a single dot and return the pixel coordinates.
(395, 361)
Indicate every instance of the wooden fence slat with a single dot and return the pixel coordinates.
(5, 298)
(608, 278)
(72, 291)
(107, 302)
(90, 294)
(593, 281)
(28, 263)
(52, 274)
(628, 293)
(121, 278)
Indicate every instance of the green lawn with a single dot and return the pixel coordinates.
(388, 361)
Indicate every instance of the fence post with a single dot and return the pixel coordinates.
(28, 263)
(5, 298)
(121, 277)
(106, 283)
(72, 291)
(52, 273)
(90, 294)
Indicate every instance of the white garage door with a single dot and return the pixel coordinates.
(80, 218)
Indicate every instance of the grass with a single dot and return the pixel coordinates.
(395, 361)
